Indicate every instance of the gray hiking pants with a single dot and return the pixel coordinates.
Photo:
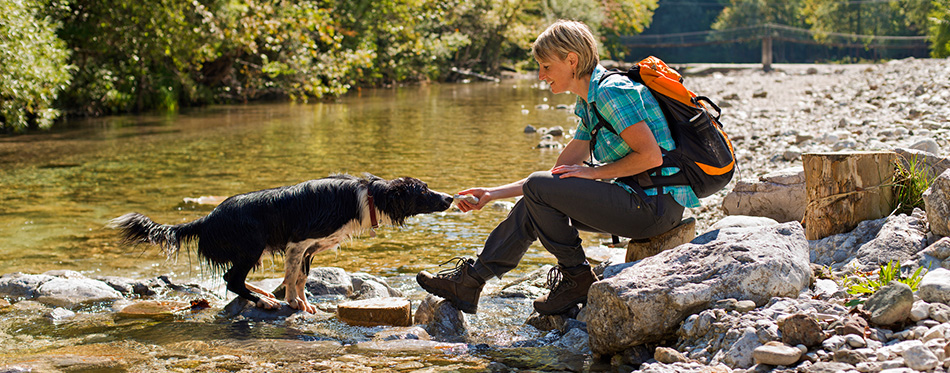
(554, 209)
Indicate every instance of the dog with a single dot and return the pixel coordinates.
(298, 221)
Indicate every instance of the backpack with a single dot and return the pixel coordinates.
(703, 152)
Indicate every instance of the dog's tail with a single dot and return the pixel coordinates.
(137, 228)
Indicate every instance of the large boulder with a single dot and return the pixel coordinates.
(646, 301)
(777, 195)
(937, 204)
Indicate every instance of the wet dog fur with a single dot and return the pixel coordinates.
(298, 221)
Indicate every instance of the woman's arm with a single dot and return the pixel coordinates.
(645, 155)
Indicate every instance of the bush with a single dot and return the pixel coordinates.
(33, 66)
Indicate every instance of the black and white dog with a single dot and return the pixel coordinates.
(298, 221)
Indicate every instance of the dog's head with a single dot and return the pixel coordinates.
(406, 196)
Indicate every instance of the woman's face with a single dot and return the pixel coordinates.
(559, 74)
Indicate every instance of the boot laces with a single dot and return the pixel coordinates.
(455, 272)
(557, 279)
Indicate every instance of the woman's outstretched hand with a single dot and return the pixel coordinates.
(574, 170)
(484, 196)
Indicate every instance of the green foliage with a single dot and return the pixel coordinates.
(33, 66)
(939, 29)
(910, 182)
(865, 283)
(742, 13)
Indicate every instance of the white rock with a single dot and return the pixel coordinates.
(935, 286)
(920, 358)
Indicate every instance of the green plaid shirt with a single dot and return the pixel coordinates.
(623, 103)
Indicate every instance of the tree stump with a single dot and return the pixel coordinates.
(680, 234)
(844, 189)
(376, 312)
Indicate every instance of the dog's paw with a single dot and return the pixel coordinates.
(302, 305)
(268, 304)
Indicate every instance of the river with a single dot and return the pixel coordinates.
(59, 189)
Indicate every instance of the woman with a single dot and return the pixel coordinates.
(573, 195)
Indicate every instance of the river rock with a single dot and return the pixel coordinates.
(890, 304)
(245, 309)
(65, 292)
(935, 286)
(920, 358)
(740, 221)
(152, 309)
(937, 204)
(21, 285)
(441, 319)
(838, 250)
(368, 286)
(777, 195)
(576, 341)
(776, 353)
(801, 329)
(397, 333)
(668, 355)
(329, 281)
(646, 301)
(376, 312)
(900, 239)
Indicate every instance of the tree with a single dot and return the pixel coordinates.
(939, 30)
(33, 66)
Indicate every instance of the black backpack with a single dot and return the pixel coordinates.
(703, 152)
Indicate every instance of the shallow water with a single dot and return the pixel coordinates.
(58, 190)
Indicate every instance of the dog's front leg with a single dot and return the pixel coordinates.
(295, 280)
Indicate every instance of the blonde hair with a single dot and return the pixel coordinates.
(566, 36)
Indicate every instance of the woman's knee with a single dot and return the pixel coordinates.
(536, 182)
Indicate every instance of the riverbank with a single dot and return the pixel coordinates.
(772, 118)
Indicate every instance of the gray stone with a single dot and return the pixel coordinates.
(440, 319)
(576, 341)
(920, 358)
(776, 353)
(329, 281)
(839, 249)
(647, 300)
(900, 239)
(20, 285)
(65, 292)
(244, 308)
(919, 311)
(777, 195)
(829, 367)
(890, 304)
(937, 204)
(940, 312)
(935, 286)
(399, 333)
(743, 221)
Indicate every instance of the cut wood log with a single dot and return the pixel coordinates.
(680, 234)
(376, 312)
(844, 189)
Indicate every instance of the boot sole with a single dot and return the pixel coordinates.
(461, 305)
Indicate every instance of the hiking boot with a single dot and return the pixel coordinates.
(567, 289)
(459, 285)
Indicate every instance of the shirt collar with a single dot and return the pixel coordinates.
(594, 82)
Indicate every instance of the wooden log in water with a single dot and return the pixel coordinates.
(844, 189)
